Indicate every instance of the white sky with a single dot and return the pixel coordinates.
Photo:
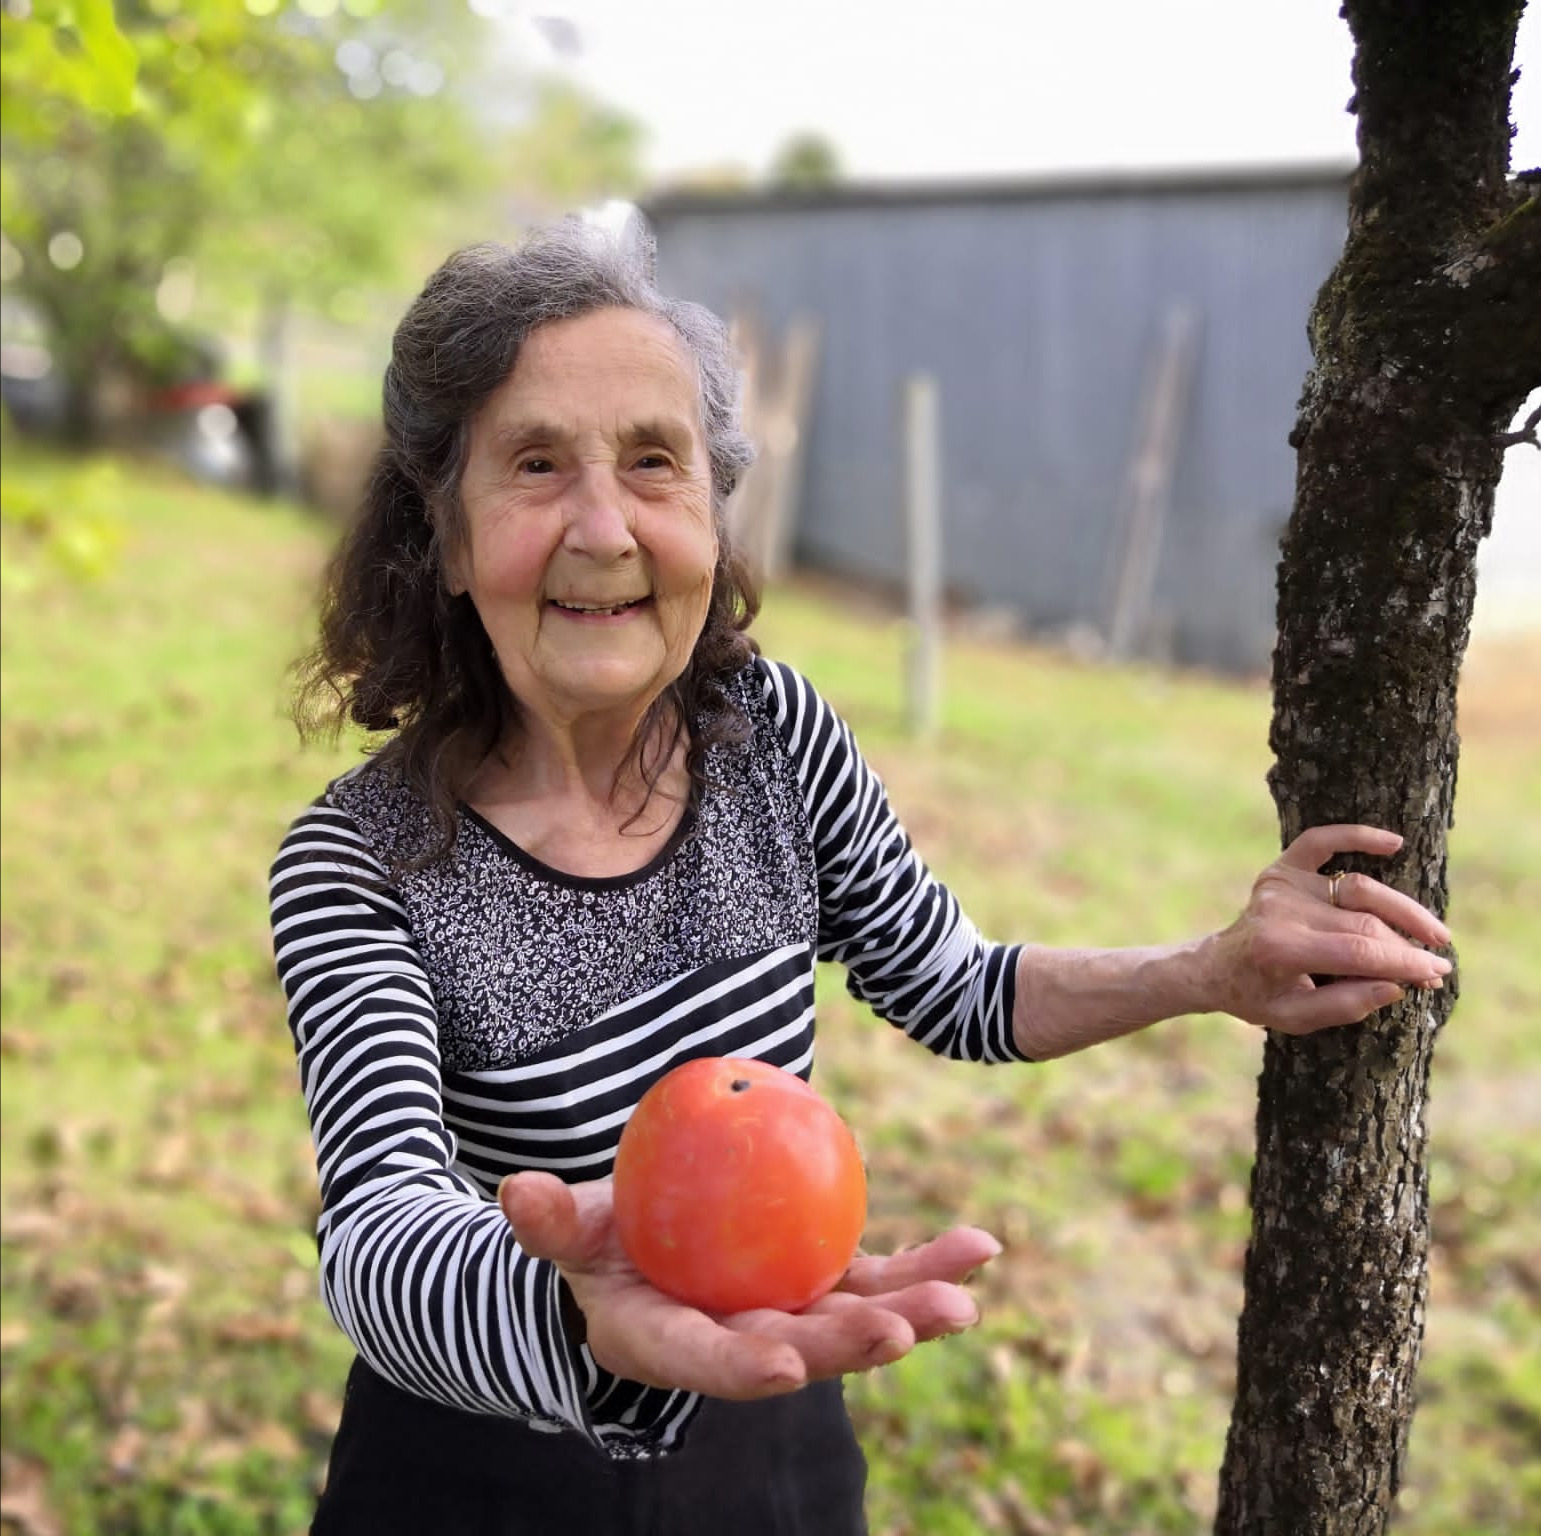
(920, 88)
(935, 88)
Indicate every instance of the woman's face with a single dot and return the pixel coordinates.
(589, 541)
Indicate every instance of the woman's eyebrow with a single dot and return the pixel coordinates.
(663, 429)
(521, 432)
(509, 436)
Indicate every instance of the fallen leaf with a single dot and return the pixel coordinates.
(78, 1298)
(160, 1339)
(274, 1440)
(24, 1497)
(1087, 1469)
(255, 1206)
(166, 1287)
(321, 1411)
(169, 1162)
(257, 1328)
(194, 1424)
(217, 1453)
(22, 1043)
(124, 1452)
(1024, 1520)
(31, 1225)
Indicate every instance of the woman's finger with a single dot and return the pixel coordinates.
(1316, 845)
(644, 1336)
(833, 1341)
(952, 1256)
(1337, 1003)
(931, 1308)
(567, 1223)
(1363, 893)
(1332, 920)
(1297, 949)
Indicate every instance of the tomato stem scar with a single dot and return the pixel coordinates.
(739, 1084)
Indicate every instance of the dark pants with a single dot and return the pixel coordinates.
(402, 1466)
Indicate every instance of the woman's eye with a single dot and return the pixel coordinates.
(652, 461)
(535, 465)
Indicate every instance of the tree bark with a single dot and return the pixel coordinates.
(1425, 341)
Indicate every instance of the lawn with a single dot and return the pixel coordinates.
(168, 1367)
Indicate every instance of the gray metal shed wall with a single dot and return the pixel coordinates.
(1038, 317)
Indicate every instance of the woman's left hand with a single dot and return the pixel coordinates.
(1301, 923)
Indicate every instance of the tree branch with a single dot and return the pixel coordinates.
(1501, 279)
(1526, 434)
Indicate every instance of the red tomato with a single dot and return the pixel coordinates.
(737, 1186)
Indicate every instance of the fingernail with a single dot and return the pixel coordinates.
(958, 1321)
(1442, 965)
(1389, 995)
(995, 1249)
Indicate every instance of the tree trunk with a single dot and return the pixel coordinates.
(80, 423)
(1425, 341)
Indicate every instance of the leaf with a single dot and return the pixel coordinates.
(166, 1287)
(171, 1162)
(113, 56)
(31, 1225)
(258, 1328)
(1087, 1469)
(24, 1497)
(126, 1450)
(275, 1440)
(79, 1297)
(321, 1411)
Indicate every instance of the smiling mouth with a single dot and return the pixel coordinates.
(599, 610)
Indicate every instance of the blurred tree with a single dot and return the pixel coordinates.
(805, 160)
(201, 140)
(570, 151)
(725, 176)
(1426, 339)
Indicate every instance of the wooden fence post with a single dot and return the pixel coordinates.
(923, 551)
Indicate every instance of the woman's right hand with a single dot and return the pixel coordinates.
(879, 1311)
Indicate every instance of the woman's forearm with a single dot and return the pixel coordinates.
(1068, 999)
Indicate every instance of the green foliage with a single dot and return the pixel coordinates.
(66, 518)
(573, 150)
(806, 160)
(167, 1365)
(74, 53)
(258, 148)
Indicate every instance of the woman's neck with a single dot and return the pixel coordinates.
(587, 764)
(580, 803)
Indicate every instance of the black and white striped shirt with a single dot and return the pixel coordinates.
(490, 1014)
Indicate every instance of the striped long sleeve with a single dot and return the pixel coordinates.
(418, 1265)
(910, 952)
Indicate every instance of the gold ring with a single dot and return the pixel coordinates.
(1334, 880)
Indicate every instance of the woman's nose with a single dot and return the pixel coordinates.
(598, 521)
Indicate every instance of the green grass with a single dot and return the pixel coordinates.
(167, 1365)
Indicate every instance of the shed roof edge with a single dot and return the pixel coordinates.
(899, 193)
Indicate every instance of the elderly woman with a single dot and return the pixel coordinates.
(604, 836)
